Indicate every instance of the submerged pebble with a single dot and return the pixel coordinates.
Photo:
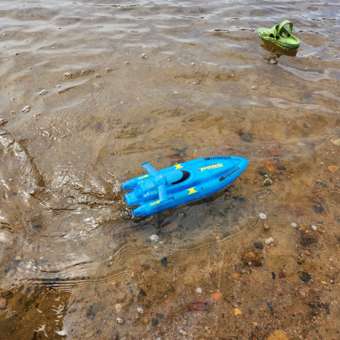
(118, 307)
(3, 121)
(3, 303)
(262, 216)
(62, 332)
(154, 238)
(120, 321)
(336, 141)
(26, 109)
(268, 241)
(305, 277)
(273, 61)
(267, 182)
(67, 75)
(199, 290)
(258, 245)
(43, 92)
(237, 312)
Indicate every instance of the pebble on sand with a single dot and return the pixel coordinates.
(294, 225)
(273, 61)
(183, 332)
(332, 168)
(26, 109)
(268, 241)
(258, 245)
(216, 296)
(62, 332)
(68, 75)
(314, 227)
(3, 303)
(267, 182)
(278, 335)
(144, 56)
(199, 290)
(336, 141)
(262, 216)
(43, 92)
(3, 121)
(140, 310)
(237, 312)
(118, 307)
(154, 238)
(120, 321)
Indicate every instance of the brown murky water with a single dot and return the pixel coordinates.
(89, 90)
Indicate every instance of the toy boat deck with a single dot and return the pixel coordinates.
(180, 184)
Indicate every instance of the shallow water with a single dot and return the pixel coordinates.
(109, 85)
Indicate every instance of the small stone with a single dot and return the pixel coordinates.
(3, 121)
(332, 168)
(108, 69)
(252, 258)
(140, 310)
(183, 332)
(268, 241)
(67, 75)
(154, 238)
(26, 109)
(126, 62)
(118, 307)
(199, 290)
(216, 296)
(318, 208)
(43, 92)
(246, 136)
(62, 332)
(253, 87)
(267, 182)
(314, 227)
(307, 238)
(258, 244)
(336, 141)
(164, 261)
(278, 335)
(262, 216)
(3, 303)
(266, 227)
(273, 61)
(144, 56)
(120, 321)
(237, 312)
(294, 225)
(305, 277)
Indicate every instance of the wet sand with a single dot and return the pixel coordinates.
(88, 91)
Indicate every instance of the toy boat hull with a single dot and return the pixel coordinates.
(181, 184)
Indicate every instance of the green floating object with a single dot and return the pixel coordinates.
(280, 35)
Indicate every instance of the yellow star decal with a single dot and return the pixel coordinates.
(192, 191)
(178, 166)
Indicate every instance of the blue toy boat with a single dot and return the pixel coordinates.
(180, 184)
